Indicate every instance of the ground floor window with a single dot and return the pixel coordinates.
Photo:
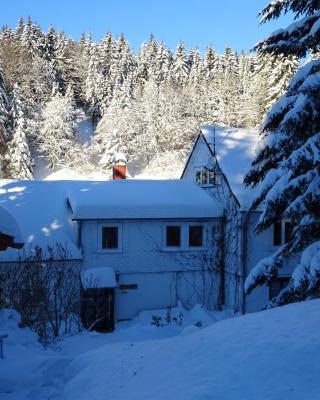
(110, 237)
(196, 236)
(173, 236)
(184, 236)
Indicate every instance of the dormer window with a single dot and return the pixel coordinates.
(205, 177)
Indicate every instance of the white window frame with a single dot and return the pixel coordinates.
(164, 236)
(207, 184)
(184, 238)
(204, 236)
(102, 225)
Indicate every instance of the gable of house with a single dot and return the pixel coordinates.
(232, 150)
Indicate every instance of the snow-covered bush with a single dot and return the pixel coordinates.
(44, 287)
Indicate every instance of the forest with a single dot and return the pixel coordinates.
(147, 104)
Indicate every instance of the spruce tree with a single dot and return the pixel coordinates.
(19, 163)
(287, 166)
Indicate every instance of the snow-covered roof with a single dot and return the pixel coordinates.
(134, 199)
(101, 277)
(40, 209)
(9, 225)
(235, 150)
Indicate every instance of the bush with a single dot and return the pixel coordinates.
(44, 287)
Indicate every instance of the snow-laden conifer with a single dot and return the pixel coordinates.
(19, 163)
(287, 166)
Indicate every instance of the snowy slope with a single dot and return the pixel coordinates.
(268, 355)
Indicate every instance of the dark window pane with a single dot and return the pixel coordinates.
(204, 177)
(173, 236)
(198, 177)
(288, 228)
(195, 236)
(277, 234)
(110, 237)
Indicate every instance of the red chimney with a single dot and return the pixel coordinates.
(119, 166)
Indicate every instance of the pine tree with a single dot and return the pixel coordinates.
(287, 166)
(180, 68)
(162, 68)
(19, 163)
(58, 139)
(230, 90)
(3, 121)
(196, 70)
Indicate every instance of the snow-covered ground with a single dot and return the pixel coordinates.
(268, 355)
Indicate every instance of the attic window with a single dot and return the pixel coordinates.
(205, 177)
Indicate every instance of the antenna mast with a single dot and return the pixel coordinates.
(214, 141)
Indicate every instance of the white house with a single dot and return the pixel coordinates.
(161, 238)
(218, 163)
(190, 240)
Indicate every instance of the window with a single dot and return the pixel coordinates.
(195, 236)
(204, 180)
(276, 285)
(173, 236)
(110, 237)
(282, 232)
(184, 236)
(205, 177)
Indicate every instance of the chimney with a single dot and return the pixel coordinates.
(119, 166)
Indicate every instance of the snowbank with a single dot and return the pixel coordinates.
(268, 355)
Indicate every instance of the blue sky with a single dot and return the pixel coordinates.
(196, 22)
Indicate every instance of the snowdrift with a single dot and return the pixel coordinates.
(268, 355)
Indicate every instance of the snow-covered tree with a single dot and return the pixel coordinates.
(19, 163)
(58, 136)
(180, 67)
(287, 166)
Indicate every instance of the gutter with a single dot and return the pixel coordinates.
(244, 247)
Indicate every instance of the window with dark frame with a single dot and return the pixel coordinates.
(196, 236)
(110, 239)
(173, 236)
